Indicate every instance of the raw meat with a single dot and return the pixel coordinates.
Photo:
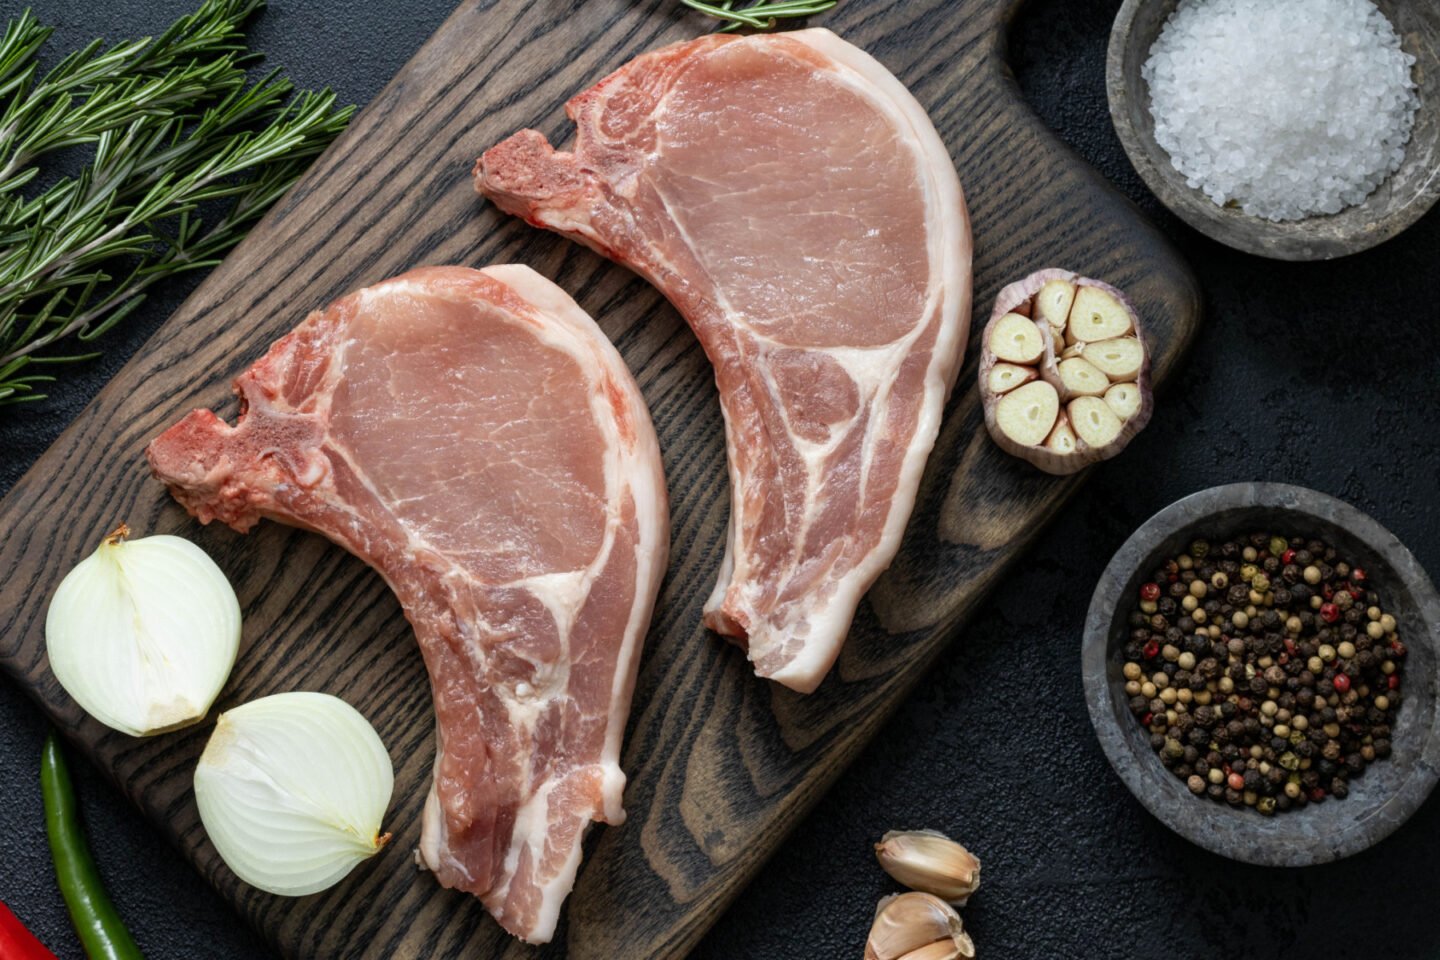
(474, 437)
(795, 203)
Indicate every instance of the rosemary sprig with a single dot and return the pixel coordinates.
(174, 125)
(762, 15)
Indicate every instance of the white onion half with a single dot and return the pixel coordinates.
(143, 633)
(292, 789)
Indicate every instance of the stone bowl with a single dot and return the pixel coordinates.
(1399, 201)
(1389, 791)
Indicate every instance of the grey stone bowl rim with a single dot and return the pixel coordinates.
(1282, 840)
(1321, 237)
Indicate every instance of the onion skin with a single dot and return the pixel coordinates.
(1016, 298)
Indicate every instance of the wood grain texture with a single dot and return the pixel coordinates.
(721, 765)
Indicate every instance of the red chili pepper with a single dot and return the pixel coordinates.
(1150, 592)
(1152, 649)
(1288, 557)
(1329, 612)
(1342, 683)
(1393, 682)
(17, 943)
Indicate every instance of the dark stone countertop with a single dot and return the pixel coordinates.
(1322, 375)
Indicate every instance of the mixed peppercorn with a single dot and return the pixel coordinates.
(1265, 670)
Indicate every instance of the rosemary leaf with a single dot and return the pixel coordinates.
(176, 132)
(759, 16)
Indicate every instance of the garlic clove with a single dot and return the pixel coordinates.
(1124, 399)
(1027, 414)
(1119, 359)
(958, 948)
(1054, 301)
(1093, 421)
(143, 633)
(1082, 379)
(1016, 339)
(1062, 438)
(291, 789)
(1097, 316)
(942, 950)
(908, 922)
(930, 862)
(1005, 377)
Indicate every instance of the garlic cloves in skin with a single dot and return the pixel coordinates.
(911, 922)
(944, 950)
(143, 633)
(1086, 392)
(930, 862)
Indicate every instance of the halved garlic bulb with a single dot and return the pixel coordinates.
(292, 789)
(143, 633)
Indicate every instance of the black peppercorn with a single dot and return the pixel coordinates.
(1262, 705)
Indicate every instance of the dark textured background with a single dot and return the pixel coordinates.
(1324, 375)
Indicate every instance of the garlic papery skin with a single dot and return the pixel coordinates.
(143, 633)
(292, 789)
(931, 863)
(915, 922)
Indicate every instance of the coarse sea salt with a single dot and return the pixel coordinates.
(1288, 108)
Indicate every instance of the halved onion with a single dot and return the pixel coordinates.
(292, 789)
(143, 633)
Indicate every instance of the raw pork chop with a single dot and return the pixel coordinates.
(474, 437)
(795, 203)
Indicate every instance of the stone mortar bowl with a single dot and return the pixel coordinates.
(1389, 791)
(1399, 201)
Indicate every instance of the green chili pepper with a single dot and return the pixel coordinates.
(98, 924)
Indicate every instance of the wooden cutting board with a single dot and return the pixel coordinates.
(721, 765)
